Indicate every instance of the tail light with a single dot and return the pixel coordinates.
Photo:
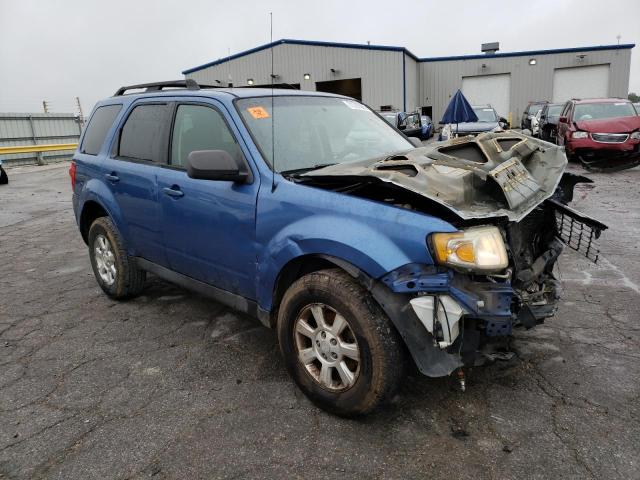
(72, 174)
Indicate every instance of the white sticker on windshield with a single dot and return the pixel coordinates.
(354, 105)
(621, 103)
(487, 109)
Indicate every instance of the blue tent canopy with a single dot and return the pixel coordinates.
(459, 110)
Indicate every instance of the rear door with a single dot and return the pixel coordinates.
(209, 225)
(140, 147)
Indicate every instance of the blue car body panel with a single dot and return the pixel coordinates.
(298, 220)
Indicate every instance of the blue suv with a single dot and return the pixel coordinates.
(365, 250)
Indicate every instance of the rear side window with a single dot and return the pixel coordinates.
(197, 127)
(99, 125)
(143, 136)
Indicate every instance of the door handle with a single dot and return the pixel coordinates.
(112, 177)
(173, 192)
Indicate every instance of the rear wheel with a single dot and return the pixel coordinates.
(4, 178)
(115, 271)
(338, 345)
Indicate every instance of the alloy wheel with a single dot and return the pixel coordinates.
(327, 347)
(105, 260)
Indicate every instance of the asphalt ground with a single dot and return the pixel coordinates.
(173, 385)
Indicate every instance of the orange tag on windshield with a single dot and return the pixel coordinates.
(258, 112)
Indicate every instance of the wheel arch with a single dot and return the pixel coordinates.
(300, 266)
(91, 210)
(96, 200)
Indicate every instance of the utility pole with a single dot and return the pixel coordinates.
(80, 114)
(45, 106)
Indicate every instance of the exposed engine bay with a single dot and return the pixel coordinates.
(508, 180)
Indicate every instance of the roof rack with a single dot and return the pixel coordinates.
(188, 83)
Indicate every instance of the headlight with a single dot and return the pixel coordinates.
(635, 136)
(477, 248)
(580, 135)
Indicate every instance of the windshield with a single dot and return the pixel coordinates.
(598, 111)
(313, 131)
(534, 107)
(391, 118)
(485, 114)
(554, 110)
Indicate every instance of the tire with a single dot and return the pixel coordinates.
(375, 376)
(4, 178)
(115, 272)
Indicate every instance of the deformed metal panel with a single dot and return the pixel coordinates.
(462, 174)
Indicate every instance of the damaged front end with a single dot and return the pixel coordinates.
(504, 188)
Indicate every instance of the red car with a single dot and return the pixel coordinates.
(603, 133)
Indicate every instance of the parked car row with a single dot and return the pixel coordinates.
(602, 133)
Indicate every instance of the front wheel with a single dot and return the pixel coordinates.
(115, 271)
(338, 345)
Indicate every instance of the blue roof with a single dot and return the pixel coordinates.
(530, 53)
(402, 49)
(300, 42)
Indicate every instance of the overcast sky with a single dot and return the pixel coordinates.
(56, 50)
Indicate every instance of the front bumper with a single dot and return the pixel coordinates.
(605, 156)
(609, 159)
(444, 316)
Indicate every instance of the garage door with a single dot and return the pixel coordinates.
(580, 82)
(489, 89)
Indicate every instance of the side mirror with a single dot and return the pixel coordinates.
(563, 120)
(215, 165)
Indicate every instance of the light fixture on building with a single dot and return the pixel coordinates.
(307, 76)
(275, 76)
(580, 57)
(335, 71)
(484, 65)
(532, 61)
(249, 81)
(218, 81)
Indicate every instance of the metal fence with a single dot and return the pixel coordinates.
(17, 129)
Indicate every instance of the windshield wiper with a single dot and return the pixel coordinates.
(298, 171)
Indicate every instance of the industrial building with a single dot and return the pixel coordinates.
(393, 77)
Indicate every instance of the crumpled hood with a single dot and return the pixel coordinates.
(491, 175)
(610, 125)
(474, 127)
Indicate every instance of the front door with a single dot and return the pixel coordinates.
(208, 225)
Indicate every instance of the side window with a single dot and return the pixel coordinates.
(198, 127)
(99, 125)
(143, 135)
